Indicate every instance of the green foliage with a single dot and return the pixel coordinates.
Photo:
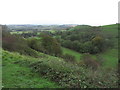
(26, 35)
(51, 45)
(45, 44)
(87, 47)
(35, 44)
(99, 43)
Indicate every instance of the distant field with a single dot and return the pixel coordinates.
(110, 29)
(20, 32)
(34, 37)
(52, 31)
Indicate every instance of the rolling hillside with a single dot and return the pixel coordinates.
(26, 67)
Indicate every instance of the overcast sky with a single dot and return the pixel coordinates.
(90, 12)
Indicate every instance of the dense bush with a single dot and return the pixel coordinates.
(63, 78)
(87, 47)
(77, 77)
(26, 35)
(35, 44)
(90, 62)
(51, 45)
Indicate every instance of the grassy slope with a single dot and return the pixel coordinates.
(111, 55)
(16, 76)
(110, 29)
(17, 72)
(72, 52)
(110, 58)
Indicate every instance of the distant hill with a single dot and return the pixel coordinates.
(40, 27)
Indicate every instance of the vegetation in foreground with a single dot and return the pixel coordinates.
(26, 71)
(20, 76)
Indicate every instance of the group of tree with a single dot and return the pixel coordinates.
(46, 44)
(16, 43)
(85, 39)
